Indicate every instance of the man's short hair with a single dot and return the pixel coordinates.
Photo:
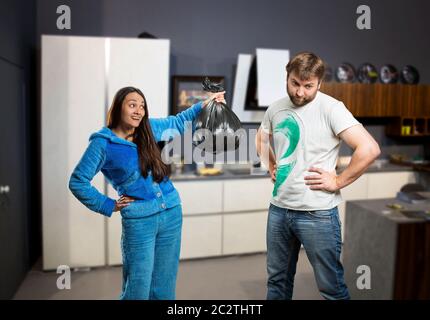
(306, 65)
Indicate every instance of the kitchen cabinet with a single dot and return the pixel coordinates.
(202, 220)
(224, 217)
(219, 218)
(244, 232)
(201, 236)
(201, 197)
(243, 209)
(374, 185)
(418, 101)
(387, 184)
(72, 107)
(79, 77)
(381, 100)
(247, 194)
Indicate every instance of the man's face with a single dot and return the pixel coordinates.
(301, 92)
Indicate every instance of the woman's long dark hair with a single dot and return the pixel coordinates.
(148, 151)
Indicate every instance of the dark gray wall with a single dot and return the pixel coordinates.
(206, 36)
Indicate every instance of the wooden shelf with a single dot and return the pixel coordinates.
(382, 100)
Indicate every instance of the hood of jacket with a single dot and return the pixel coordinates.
(108, 134)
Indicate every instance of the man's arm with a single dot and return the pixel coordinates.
(366, 150)
(265, 151)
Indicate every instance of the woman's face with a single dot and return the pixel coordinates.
(133, 110)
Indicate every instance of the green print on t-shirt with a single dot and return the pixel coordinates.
(290, 128)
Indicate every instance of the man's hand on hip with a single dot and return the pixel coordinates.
(324, 180)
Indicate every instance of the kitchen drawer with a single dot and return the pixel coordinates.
(201, 236)
(200, 196)
(247, 194)
(244, 232)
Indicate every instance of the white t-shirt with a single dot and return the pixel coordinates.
(305, 137)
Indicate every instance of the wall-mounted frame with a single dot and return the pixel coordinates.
(188, 90)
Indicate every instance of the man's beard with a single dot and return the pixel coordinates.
(300, 102)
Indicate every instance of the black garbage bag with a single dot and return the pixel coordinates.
(218, 123)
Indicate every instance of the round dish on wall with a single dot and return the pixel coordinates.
(409, 75)
(388, 74)
(345, 73)
(367, 73)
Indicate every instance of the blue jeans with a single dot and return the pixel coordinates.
(150, 252)
(319, 232)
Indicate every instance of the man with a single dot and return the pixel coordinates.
(307, 128)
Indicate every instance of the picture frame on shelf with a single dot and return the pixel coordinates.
(188, 90)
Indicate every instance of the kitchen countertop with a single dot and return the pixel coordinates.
(379, 207)
(393, 247)
(227, 175)
(388, 167)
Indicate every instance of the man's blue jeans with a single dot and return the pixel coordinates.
(150, 252)
(319, 232)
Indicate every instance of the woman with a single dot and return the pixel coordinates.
(126, 152)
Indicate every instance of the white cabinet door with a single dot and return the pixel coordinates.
(114, 231)
(387, 184)
(247, 194)
(244, 232)
(141, 63)
(72, 107)
(201, 236)
(80, 76)
(200, 197)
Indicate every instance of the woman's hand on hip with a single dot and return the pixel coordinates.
(122, 202)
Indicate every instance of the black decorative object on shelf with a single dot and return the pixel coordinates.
(367, 73)
(409, 75)
(146, 35)
(388, 74)
(345, 73)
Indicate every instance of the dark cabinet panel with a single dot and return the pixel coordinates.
(13, 223)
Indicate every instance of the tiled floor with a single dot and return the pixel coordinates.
(235, 277)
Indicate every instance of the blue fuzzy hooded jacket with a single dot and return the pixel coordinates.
(118, 160)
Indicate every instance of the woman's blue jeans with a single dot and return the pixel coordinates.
(150, 252)
(319, 232)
